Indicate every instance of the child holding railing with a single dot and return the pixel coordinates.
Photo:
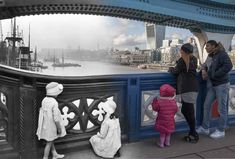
(107, 142)
(166, 107)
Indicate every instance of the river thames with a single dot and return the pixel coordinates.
(90, 68)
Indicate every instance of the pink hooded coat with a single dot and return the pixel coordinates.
(166, 107)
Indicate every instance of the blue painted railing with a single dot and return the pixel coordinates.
(22, 93)
(146, 82)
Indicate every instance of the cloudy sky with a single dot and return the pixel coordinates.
(85, 31)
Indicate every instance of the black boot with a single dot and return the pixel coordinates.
(192, 137)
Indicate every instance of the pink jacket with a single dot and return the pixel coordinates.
(166, 107)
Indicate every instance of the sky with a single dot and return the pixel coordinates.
(85, 31)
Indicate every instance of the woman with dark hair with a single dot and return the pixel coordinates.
(187, 87)
(218, 74)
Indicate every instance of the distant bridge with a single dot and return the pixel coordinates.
(190, 14)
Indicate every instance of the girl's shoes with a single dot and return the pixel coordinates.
(57, 156)
(167, 141)
(167, 144)
(161, 145)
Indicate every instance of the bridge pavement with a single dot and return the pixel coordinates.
(147, 149)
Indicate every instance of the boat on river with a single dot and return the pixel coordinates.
(63, 64)
(66, 65)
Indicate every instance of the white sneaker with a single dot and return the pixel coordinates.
(217, 134)
(201, 130)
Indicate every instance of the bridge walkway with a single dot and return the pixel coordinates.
(148, 149)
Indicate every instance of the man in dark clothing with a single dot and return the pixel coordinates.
(218, 75)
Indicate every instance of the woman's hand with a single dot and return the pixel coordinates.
(171, 69)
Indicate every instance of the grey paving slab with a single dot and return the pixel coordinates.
(219, 153)
(192, 156)
(232, 147)
(148, 149)
(84, 154)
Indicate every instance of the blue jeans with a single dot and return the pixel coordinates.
(221, 93)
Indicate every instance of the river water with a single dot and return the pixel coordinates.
(89, 68)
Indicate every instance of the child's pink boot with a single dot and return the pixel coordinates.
(161, 142)
(168, 140)
(161, 145)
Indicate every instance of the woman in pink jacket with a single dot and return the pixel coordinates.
(166, 107)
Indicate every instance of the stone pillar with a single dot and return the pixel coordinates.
(202, 37)
(27, 122)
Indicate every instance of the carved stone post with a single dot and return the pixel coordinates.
(27, 122)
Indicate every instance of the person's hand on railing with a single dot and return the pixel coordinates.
(204, 75)
(170, 69)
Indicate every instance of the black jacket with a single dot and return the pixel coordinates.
(219, 68)
(186, 81)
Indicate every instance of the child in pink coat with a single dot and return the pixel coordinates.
(166, 107)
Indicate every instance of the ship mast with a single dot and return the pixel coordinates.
(1, 34)
(62, 57)
(29, 38)
(14, 35)
(35, 54)
(29, 46)
(14, 42)
(54, 57)
(12, 39)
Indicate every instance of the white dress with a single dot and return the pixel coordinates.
(107, 142)
(49, 114)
